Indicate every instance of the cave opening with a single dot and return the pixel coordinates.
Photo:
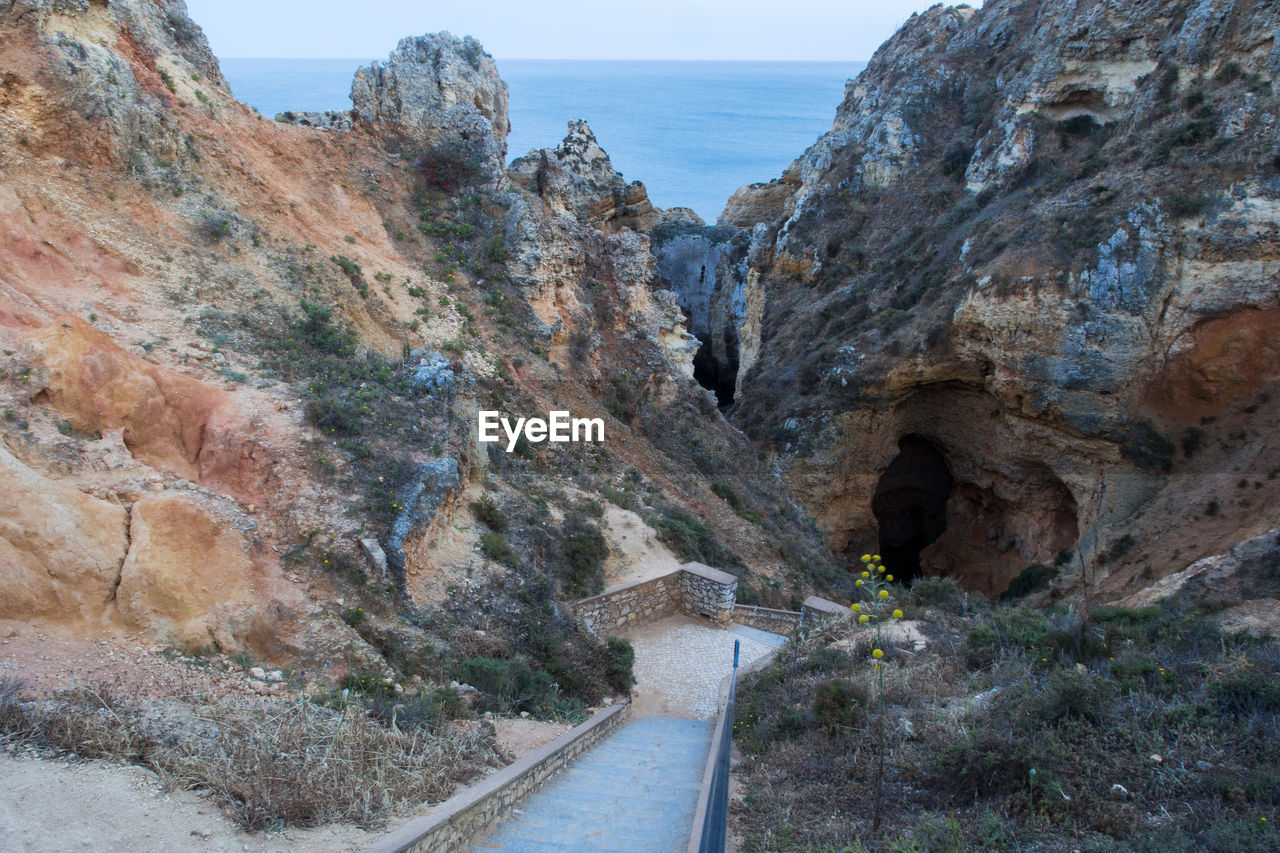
(718, 374)
(910, 504)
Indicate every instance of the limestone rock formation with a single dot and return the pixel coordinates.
(1041, 239)
(192, 579)
(577, 178)
(438, 92)
(101, 87)
(60, 549)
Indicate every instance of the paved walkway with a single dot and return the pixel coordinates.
(635, 791)
(680, 662)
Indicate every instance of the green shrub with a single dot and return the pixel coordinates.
(1192, 441)
(448, 169)
(1147, 448)
(1068, 693)
(511, 685)
(839, 704)
(940, 592)
(1247, 690)
(1033, 578)
(489, 514)
(585, 550)
(730, 495)
(1006, 631)
(494, 546)
(690, 538)
(622, 658)
(353, 272)
(333, 416)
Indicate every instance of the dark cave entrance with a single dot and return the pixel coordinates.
(910, 504)
(718, 374)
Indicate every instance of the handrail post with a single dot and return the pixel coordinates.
(715, 824)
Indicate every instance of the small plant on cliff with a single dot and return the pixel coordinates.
(353, 616)
(448, 168)
(494, 546)
(353, 272)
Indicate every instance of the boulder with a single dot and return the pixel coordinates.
(60, 549)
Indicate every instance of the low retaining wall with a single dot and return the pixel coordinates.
(722, 720)
(455, 822)
(820, 608)
(631, 605)
(767, 618)
(693, 588)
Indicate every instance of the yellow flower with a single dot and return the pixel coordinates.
(856, 608)
(866, 574)
(858, 582)
(880, 570)
(897, 614)
(866, 558)
(877, 654)
(888, 578)
(864, 619)
(884, 593)
(875, 558)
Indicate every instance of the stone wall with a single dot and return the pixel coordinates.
(815, 608)
(455, 822)
(767, 618)
(708, 592)
(694, 589)
(631, 605)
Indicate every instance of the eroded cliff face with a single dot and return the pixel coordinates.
(234, 349)
(1015, 301)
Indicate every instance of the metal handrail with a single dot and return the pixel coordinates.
(715, 826)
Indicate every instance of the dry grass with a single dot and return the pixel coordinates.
(292, 763)
(1017, 730)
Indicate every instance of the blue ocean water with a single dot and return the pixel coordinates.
(692, 131)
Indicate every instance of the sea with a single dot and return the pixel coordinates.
(693, 132)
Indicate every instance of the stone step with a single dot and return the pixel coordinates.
(635, 791)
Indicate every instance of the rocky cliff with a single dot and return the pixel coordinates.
(242, 361)
(1017, 307)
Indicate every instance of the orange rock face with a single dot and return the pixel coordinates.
(194, 579)
(169, 421)
(60, 549)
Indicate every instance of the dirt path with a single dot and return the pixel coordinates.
(57, 806)
(638, 555)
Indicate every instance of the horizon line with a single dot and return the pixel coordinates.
(568, 59)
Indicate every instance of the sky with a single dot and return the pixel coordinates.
(840, 30)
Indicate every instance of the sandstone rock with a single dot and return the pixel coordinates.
(60, 549)
(438, 90)
(169, 421)
(194, 580)
(1055, 367)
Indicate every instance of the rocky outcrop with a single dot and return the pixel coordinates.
(577, 179)
(105, 79)
(1041, 238)
(438, 93)
(424, 504)
(193, 579)
(328, 120)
